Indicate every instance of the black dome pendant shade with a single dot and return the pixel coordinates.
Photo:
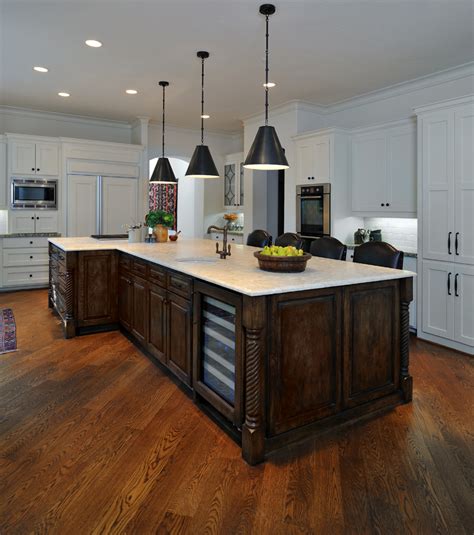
(201, 164)
(163, 172)
(266, 152)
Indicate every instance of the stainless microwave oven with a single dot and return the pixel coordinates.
(34, 193)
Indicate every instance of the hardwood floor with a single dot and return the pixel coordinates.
(96, 439)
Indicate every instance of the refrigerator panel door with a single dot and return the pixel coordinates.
(119, 199)
(82, 193)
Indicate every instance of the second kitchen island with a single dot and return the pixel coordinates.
(275, 357)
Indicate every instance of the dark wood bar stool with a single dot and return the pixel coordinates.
(379, 253)
(289, 238)
(328, 247)
(259, 238)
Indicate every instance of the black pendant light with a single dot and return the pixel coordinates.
(266, 152)
(201, 164)
(163, 173)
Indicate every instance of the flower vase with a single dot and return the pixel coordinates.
(161, 233)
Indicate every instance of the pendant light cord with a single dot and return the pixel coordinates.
(202, 101)
(163, 127)
(266, 71)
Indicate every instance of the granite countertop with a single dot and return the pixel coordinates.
(240, 271)
(30, 235)
(407, 251)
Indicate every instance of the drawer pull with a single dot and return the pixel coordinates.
(31, 243)
(31, 275)
(31, 258)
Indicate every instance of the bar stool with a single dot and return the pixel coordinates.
(379, 253)
(328, 247)
(289, 238)
(259, 238)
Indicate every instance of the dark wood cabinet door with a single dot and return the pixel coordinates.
(179, 337)
(305, 359)
(139, 309)
(125, 290)
(97, 288)
(371, 341)
(157, 313)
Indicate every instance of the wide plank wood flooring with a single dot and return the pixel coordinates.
(94, 438)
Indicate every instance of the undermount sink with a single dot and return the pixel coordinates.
(198, 259)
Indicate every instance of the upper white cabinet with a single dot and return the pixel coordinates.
(29, 157)
(313, 159)
(384, 170)
(3, 173)
(234, 181)
(29, 221)
(447, 175)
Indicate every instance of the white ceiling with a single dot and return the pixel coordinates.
(322, 51)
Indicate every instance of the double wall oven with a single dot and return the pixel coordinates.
(31, 193)
(313, 210)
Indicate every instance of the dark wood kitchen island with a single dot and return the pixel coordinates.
(274, 357)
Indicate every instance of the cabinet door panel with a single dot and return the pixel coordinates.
(157, 322)
(402, 170)
(371, 342)
(46, 221)
(139, 309)
(304, 161)
(47, 159)
(369, 173)
(322, 172)
(464, 184)
(97, 299)
(230, 185)
(81, 205)
(438, 186)
(119, 203)
(22, 154)
(179, 337)
(4, 200)
(438, 313)
(22, 221)
(304, 373)
(125, 301)
(464, 305)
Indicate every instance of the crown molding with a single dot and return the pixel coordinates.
(430, 80)
(449, 103)
(197, 131)
(64, 117)
(322, 132)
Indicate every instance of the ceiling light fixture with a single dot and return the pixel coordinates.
(63, 94)
(163, 172)
(205, 116)
(201, 164)
(131, 91)
(266, 152)
(40, 69)
(93, 43)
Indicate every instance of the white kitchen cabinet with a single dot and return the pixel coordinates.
(3, 174)
(236, 239)
(81, 205)
(438, 302)
(384, 170)
(25, 262)
(464, 304)
(29, 221)
(234, 181)
(119, 204)
(313, 160)
(29, 157)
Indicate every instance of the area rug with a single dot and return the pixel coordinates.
(7, 331)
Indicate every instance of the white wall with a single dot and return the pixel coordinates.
(37, 123)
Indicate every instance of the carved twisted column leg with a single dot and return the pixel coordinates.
(406, 296)
(253, 430)
(69, 322)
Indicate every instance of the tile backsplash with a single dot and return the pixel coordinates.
(3, 221)
(399, 232)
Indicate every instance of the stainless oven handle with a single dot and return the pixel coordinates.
(310, 196)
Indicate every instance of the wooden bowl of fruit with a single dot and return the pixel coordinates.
(282, 259)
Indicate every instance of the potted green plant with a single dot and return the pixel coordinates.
(160, 221)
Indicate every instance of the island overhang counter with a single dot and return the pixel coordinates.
(275, 357)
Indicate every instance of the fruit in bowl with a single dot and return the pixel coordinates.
(282, 259)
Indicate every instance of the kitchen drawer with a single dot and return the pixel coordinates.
(158, 275)
(125, 263)
(23, 243)
(23, 276)
(139, 267)
(180, 284)
(25, 257)
(231, 238)
(57, 254)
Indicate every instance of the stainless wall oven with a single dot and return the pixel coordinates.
(32, 193)
(313, 210)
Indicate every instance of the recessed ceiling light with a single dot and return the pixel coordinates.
(205, 116)
(63, 94)
(93, 43)
(40, 69)
(131, 91)
(270, 84)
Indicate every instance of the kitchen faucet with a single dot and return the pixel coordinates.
(225, 248)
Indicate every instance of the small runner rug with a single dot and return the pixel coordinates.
(7, 330)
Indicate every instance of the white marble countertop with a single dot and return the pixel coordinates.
(239, 272)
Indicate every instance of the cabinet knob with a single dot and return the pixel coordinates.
(382, 204)
(388, 204)
(31, 243)
(32, 168)
(31, 275)
(38, 169)
(37, 217)
(31, 258)
(32, 217)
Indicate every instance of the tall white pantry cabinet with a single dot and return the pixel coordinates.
(446, 211)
